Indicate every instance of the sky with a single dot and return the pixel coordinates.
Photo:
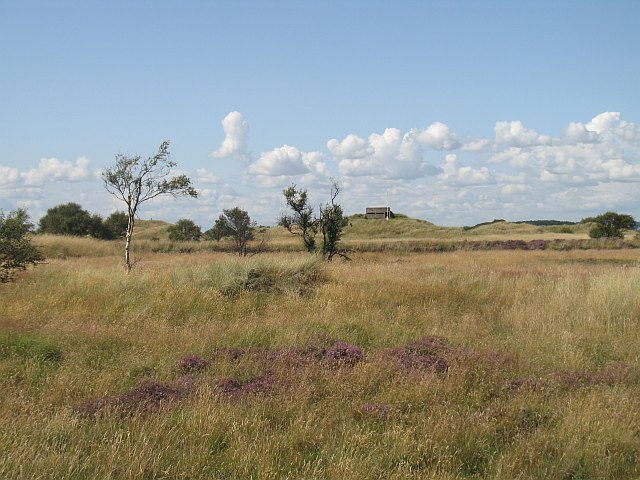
(455, 112)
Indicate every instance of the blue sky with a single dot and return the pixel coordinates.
(456, 112)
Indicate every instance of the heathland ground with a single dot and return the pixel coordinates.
(401, 363)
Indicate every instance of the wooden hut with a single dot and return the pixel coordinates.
(379, 213)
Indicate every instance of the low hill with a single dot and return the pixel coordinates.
(405, 228)
(360, 227)
(151, 229)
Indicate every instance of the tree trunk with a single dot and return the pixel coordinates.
(127, 245)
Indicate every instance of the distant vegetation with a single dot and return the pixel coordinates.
(537, 223)
(547, 223)
(499, 220)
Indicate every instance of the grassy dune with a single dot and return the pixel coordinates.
(499, 364)
(361, 235)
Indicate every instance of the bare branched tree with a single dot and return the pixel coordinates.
(135, 180)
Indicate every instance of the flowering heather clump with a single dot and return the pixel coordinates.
(426, 353)
(146, 396)
(298, 357)
(537, 244)
(374, 410)
(263, 383)
(342, 353)
(228, 386)
(191, 364)
(574, 379)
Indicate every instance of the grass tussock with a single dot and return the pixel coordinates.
(463, 364)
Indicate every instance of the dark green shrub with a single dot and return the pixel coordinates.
(117, 224)
(16, 250)
(611, 225)
(184, 231)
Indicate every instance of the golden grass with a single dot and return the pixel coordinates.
(78, 328)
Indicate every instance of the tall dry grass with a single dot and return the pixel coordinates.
(541, 377)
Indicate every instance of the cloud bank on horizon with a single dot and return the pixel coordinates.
(426, 172)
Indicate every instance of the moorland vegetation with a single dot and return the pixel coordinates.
(461, 363)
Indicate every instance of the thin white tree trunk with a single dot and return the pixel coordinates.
(127, 245)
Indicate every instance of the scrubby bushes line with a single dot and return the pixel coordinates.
(486, 245)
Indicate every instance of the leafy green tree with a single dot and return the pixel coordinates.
(71, 219)
(135, 180)
(302, 221)
(67, 219)
(99, 228)
(184, 231)
(16, 249)
(332, 222)
(117, 223)
(236, 224)
(611, 225)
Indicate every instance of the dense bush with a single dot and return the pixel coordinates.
(71, 219)
(117, 224)
(234, 223)
(611, 225)
(16, 250)
(67, 219)
(184, 231)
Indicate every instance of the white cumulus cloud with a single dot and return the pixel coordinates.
(515, 134)
(8, 175)
(205, 176)
(54, 169)
(351, 147)
(481, 145)
(577, 132)
(285, 160)
(438, 137)
(389, 155)
(604, 121)
(236, 138)
(455, 174)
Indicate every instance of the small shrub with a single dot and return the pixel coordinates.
(145, 397)
(428, 353)
(341, 353)
(191, 364)
(264, 383)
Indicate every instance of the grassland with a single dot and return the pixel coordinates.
(464, 364)
(360, 235)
